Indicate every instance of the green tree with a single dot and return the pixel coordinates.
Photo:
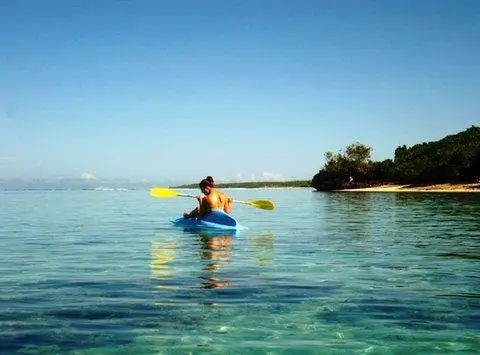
(451, 159)
(341, 168)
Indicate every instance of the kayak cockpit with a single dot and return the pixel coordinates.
(215, 219)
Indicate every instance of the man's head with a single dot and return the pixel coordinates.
(206, 186)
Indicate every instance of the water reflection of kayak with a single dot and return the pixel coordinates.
(217, 219)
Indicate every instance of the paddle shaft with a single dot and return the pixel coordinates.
(193, 196)
(160, 192)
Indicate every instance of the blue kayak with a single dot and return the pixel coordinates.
(216, 219)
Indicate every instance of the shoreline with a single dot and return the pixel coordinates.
(435, 188)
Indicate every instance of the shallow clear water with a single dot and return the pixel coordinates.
(103, 272)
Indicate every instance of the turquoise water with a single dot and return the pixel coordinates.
(103, 272)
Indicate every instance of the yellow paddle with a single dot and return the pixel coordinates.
(162, 192)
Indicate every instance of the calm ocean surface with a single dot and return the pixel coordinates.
(104, 272)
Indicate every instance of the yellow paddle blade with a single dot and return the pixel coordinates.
(263, 204)
(162, 192)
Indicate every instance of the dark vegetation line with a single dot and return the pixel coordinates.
(257, 184)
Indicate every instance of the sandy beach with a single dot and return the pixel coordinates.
(457, 188)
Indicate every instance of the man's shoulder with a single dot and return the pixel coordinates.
(210, 198)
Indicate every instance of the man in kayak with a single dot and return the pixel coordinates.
(212, 199)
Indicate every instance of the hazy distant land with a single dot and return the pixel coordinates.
(254, 184)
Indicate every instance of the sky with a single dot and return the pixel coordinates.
(240, 90)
